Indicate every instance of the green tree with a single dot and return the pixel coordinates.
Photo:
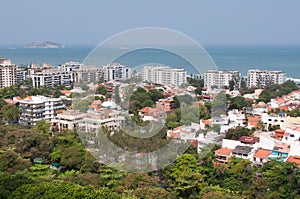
(235, 134)
(43, 127)
(186, 177)
(101, 90)
(10, 113)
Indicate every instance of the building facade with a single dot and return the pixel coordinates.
(116, 72)
(221, 78)
(68, 119)
(164, 75)
(263, 78)
(7, 73)
(87, 74)
(36, 108)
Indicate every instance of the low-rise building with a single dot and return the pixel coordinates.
(68, 119)
(244, 152)
(106, 118)
(223, 155)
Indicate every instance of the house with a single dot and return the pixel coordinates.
(223, 155)
(244, 152)
(68, 119)
(279, 134)
(261, 156)
(280, 152)
(253, 121)
(294, 159)
(248, 140)
(260, 108)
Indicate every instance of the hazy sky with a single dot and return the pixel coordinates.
(235, 22)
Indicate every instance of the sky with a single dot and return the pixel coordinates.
(210, 22)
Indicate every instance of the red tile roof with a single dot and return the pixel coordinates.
(262, 153)
(253, 121)
(295, 159)
(145, 110)
(248, 140)
(224, 151)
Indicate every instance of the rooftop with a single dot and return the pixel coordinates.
(248, 140)
(224, 151)
(242, 149)
(262, 153)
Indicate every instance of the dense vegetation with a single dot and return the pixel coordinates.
(277, 90)
(192, 175)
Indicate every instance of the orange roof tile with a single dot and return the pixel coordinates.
(253, 120)
(179, 127)
(295, 159)
(145, 110)
(224, 151)
(281, 147)
(262, 153)
(173, 135)
(283, 108)
(9, 101)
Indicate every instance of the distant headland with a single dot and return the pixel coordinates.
(47, 44)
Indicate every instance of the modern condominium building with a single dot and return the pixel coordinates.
(116, 72)
(262, 78)
(87, 74)
(221, 78)
(164, 75)
(36, 108)
(49, 76)
(7, 73)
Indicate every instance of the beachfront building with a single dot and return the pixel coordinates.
(47, 75)
(263, 78)
(116, 72)
(221, 78)
(21, 74)
(36, 108)
(87, 74)
(164, 75)
(7, 73)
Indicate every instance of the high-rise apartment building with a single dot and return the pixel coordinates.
(7, 73)
(262, 78)
(164, 75)
(221, 78)
(116, 72)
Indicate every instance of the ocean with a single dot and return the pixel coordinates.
(241, 58)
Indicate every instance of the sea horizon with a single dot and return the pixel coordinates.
(226, 57)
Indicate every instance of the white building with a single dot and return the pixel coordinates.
(36, 108)
(221, 78)
(106, 118)
(263, 78)
(87, 74)
(164, 75)
(68, 119)
(116, 72)
(7, 73)
(47, 75)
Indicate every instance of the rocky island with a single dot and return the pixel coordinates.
(47, 44)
